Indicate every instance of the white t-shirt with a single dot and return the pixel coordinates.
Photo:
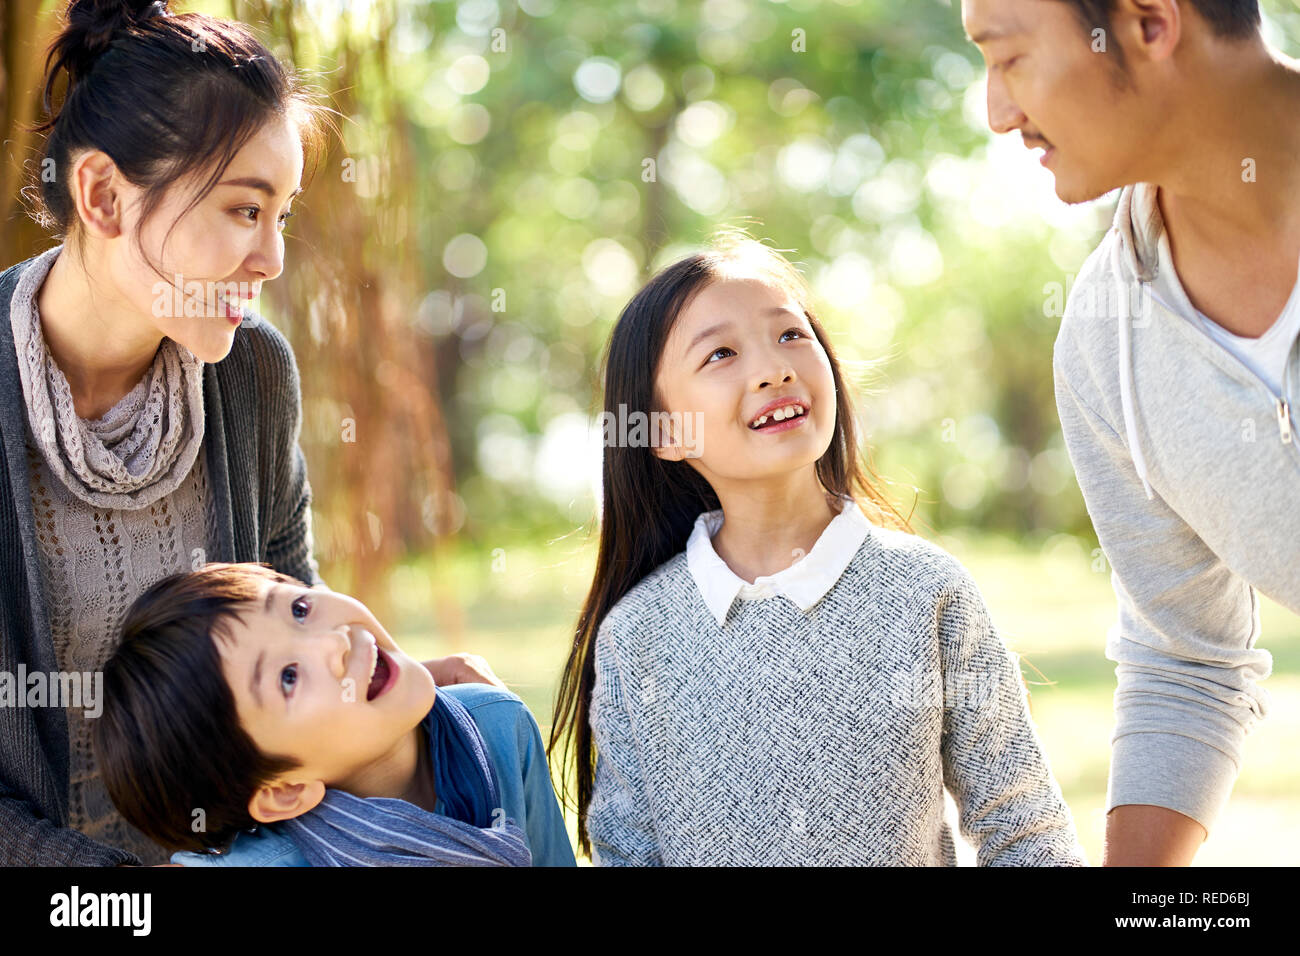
(1267, 355)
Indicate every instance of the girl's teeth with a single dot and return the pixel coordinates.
(781, 414)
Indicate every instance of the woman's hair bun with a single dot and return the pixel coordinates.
(163, 108)
(91, 25)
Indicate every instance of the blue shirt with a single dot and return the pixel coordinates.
(518, 758)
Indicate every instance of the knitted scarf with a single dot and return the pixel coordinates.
(142, 448)
(346, 830)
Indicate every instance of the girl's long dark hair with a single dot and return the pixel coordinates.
(649, 506)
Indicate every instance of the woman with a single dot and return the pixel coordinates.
(148, 422)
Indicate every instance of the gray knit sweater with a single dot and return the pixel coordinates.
(818, 737)
(257, 484)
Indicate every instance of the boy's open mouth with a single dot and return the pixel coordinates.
(383, 676)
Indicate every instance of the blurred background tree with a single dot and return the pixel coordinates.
(508, 172)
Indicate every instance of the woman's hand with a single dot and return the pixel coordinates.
(462, 669)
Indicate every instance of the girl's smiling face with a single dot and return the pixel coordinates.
(316, 677)
(742, 349)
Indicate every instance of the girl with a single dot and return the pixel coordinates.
(769, 668)
(148, 421)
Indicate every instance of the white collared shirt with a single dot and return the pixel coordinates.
(1266, 355)
(804, 582)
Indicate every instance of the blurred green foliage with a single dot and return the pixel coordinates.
(566, 150)
(508, 172)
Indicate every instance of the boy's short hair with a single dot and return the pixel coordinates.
(169, 745)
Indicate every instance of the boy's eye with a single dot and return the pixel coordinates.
(716, 351)
(288, 678)
(300, 608)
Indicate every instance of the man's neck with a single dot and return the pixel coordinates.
(1230, 158)
(1228, 192)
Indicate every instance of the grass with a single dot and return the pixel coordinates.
(517, 605)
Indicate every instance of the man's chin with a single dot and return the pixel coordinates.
(1070, 190)
(1073, 193)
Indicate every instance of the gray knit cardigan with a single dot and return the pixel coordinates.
(258, 478)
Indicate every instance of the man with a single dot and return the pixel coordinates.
(1176, 367)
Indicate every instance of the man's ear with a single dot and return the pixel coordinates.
(1148, 29)
(283, 801)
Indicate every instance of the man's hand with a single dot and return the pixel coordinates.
(1138, 834)
(462, 669)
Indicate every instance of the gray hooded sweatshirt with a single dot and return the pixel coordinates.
(1189, 464)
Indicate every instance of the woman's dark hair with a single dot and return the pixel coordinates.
(164, 96)
(650, 505)
(173, 756)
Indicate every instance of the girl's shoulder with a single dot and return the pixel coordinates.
(908, 550)
(654, 592)
(901, 559)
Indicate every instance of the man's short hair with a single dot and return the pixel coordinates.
(1227, 18)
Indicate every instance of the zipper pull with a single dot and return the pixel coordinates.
(1284, 420)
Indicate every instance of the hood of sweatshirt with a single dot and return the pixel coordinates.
(1139, 225)
(1135, 262)
(1135, 256)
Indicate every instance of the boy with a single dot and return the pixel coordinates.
(239, 696)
